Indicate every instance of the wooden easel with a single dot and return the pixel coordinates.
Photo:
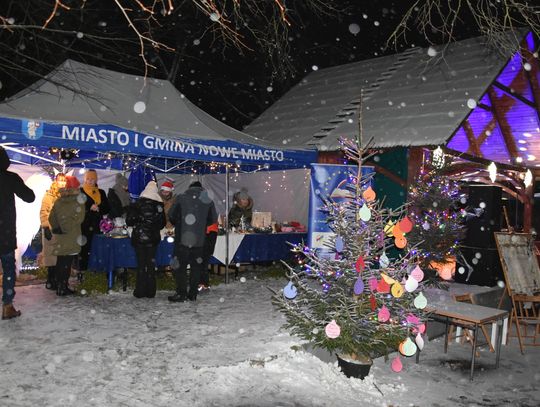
(522, 278)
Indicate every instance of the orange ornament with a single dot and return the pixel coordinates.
(369, 194)
(400, 242)
(397, 232)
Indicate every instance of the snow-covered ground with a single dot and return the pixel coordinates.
(227, 349)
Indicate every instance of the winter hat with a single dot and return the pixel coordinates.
(72, 182)
(242, 195)
(151, 192)
(167, 185)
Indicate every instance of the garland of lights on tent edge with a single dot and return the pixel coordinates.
(360, 301)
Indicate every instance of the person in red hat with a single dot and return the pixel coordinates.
(65, 219)
(166, 191)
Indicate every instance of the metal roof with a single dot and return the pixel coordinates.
(416, 98)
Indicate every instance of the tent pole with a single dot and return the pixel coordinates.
(226, 224)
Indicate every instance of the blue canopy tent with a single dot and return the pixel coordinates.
(108, 114)
(97, 118)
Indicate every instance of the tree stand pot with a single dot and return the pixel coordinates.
(352, 367)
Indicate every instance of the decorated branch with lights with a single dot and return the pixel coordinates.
(434, 209)
(363, 298)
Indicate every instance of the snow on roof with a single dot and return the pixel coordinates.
(415, 98)
(84, 94)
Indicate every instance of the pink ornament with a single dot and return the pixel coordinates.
(422, 328)
(384, 314)
(332, 330)
(412, 319)
(372, 282)
(396, 365)
(417, 274)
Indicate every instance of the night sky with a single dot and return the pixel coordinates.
(233, 85)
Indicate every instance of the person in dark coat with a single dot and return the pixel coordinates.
(147, 217)
(192, 212)
(11, 185)
(96, 206)
(242, 208)
(65, 220)
(118, 197)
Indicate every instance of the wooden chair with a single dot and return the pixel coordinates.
(522, 278)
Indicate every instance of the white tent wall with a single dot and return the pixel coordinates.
(284, 193)
(37, 179)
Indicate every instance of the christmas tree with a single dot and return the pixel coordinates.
(359, 300)
(434, 207)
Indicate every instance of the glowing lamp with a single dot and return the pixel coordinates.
(528, 180)
(492, 169)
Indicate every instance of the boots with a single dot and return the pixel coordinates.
(63, 289)
(8, 312)
(51, 279)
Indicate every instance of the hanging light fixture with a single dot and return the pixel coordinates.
(528, 180)
(437, 159)
(492, 168)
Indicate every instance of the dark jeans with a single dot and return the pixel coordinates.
(84, 255)
(8, 281)
(194, 257)
(63, 269)
(145, 283)
(209, 246)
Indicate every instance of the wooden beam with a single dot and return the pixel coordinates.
(506, 130)
(388, 174)
(513, 94)
(414, 164)
(474, 148)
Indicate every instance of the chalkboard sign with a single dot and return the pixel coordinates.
(518, 259)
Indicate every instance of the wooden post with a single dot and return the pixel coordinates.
(528, 201)
(414, 165)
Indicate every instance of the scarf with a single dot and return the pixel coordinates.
(92, 192)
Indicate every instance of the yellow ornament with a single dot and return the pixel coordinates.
(397, 290)
(389, 280)
(389, 228)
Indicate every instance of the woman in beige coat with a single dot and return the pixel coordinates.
(48, 259)
(65, 219)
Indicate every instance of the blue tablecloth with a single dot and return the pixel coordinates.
(110, 253)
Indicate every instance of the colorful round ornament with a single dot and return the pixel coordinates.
(396, 364)
(332, 330)
(396, 231)
(372, 283)
(289, 291)
(384, 314)
(384, 261)
(411, 284)
(360, 264)
(369, 194)
(400, 242)
(405, 225)
(388, 228)
(417, 274)
(397, 290)
(339, 244)
(359, 286)
(419, 341)
(407, 347)
(420, 301)
(383, 287)
(364, 213)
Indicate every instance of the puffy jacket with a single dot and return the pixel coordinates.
(65, 219)
(147, 217)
